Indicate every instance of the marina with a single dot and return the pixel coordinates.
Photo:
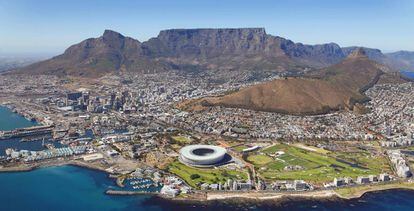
(143, 185)
(10, 121)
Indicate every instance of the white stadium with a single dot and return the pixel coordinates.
(202, 155)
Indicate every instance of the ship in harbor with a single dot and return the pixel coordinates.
(27, 132)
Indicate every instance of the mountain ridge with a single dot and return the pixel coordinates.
(225, 49)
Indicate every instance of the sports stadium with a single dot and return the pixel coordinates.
(202, 155)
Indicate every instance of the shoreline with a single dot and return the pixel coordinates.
(346, 193)
(27, 168)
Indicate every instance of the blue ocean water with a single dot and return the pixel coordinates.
(10, 121)
(409, 74)
(63, 188)
(75, 188)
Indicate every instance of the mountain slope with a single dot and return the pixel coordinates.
(94, 57)
(225, 49)
(403, 60)
(400, 60)
(188, 49)
(218, 50)
(336, 87)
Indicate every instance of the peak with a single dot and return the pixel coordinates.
(358, 53)
(111, 34)
(217, 29)
(261, 31)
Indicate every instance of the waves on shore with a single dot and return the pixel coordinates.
(76, 188)
(380, 200)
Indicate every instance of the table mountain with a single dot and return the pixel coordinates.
(187, 49)
(229, 49)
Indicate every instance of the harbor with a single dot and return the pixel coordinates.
(15, 134)
(27, 132)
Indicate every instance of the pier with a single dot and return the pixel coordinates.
(26, 132)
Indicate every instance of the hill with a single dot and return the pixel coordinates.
(336, 87)
(402, 60)
(95, 57)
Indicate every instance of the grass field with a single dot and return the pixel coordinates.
(357, 191)
(312, 148)
(318, 167)
(259, 159)
(181, 139)
(240, 148)
(206, 175)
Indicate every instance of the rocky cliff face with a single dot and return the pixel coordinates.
(212, 43)
(220, 49)
(314, 55)
(207, 43)
(94, 57)
(193, 49)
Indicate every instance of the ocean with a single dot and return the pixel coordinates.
(409, 74)
(76, 188)
(9, 121)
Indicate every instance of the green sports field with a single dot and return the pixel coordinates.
(205, 175)
(317, 167)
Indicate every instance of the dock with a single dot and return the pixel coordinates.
(27, 132)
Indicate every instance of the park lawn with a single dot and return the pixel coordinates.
(357, 191)
(378, 164)
(312, 148)
(240, 148)
(317, 167)
(317, 175)
(259, 159)
(181, 139)
(206, 175)
(408, 148)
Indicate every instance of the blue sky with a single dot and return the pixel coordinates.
(43, 26)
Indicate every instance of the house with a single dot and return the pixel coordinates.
(373, 178)
(339, 182)
(363, 180)
(299, 185)
(348, 180)
(245, 185)
(204, 186)
(384, 177)
(169, 191)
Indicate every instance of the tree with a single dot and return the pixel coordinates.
(194, 176)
